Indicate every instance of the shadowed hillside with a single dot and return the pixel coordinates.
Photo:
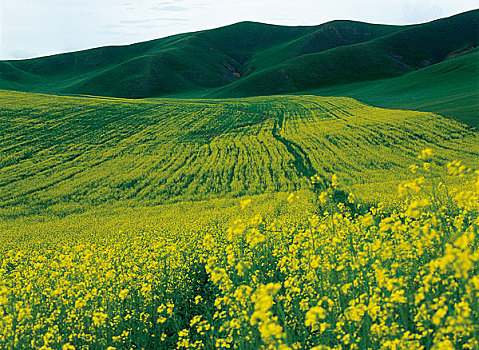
(390, 55)
(246, 59)
(181, 63)
(449, 88)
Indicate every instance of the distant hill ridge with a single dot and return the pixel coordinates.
(247, 59)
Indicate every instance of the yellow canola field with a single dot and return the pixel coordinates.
(67, 154)
(228, 224)
(338, 277)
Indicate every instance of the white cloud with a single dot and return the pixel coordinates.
(173, 8)
(420, 11)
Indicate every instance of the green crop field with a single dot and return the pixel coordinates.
(282, 222)
(70, 151)
(248, 187)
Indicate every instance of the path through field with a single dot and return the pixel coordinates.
(56, 150)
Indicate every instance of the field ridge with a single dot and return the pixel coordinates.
(69, 152)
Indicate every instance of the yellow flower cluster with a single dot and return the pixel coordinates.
(339, 279)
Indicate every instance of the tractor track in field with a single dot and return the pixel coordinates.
(301, 162)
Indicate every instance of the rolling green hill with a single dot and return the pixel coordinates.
(74, 152)
(387, 56)
(449, 88)
(181, 63)
(247, 59)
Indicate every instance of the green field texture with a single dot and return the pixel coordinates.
(400, 67)
(71, 153)
(449, 88)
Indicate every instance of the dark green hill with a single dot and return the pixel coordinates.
(388, 56)
(246, 59)
(449, 88)
(177, 64)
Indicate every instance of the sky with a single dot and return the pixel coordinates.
(31, 28)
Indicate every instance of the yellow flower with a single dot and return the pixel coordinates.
(123, 294)
(245, 203)
(290, 198)
(425, 154)
(355, 312)
(413, 168)
(323, 197)
(439, 315)
(334, 181)
(313, 316)
(444, 345)
(99, 318)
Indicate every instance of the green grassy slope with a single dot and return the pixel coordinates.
(71, 153)
(449, 88)
(247, 59)
(384, 57)
(176, 64)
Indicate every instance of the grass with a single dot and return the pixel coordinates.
(178, 64)
(449, 88)
(76, 152)
(246, 59)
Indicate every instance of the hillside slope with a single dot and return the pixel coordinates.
(187, 62)
(449, 88)
(247, 59)
(388, 56)
(78, 152)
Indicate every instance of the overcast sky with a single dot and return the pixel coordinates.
(30, 28)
